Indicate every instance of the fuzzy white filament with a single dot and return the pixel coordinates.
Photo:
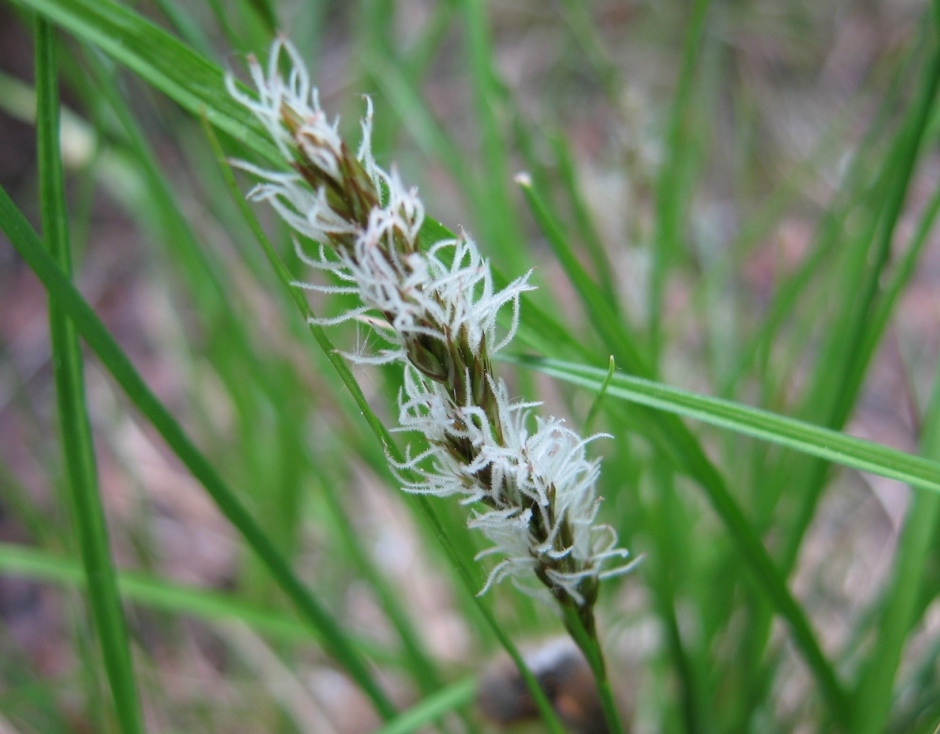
(531, 479)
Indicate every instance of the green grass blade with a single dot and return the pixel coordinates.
(433, 707)
(828, 230)
(661, 571)
(498, 221)
(873, 693)
(423, 52)
(266, 11)
(763, 570)
(589, 235)
(120, 367)
(672, 190)
(601, 314)
(904, 159)
(904, 272)
(852, 337)
(156, 593)
(89, 519)
(185, 25)
(585, 30)
(813, 440)
(169, 65)
(425, 130)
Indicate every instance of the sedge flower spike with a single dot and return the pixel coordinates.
(530, 480)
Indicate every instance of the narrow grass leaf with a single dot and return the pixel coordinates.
(163, 61)
(120, 367)
(499, 223)
(581, 214)
(433, 707)
(903, 272)
(873, 693)
(750, 548)
(601, 314)
(586, 31)
(824, 443)
(38, 565)
(903, 157)
(75, 425)
(661, 571)
(672, 189)
(828, 230)
(851, 338)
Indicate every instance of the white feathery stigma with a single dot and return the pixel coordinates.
(529, 477)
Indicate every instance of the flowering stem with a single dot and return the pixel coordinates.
(533, 487)
(583, 631)
(549, 716)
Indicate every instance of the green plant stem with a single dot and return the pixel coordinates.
(875, 686)
(581, 626)
(765, 425)
(82, 480)
(115, 360)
